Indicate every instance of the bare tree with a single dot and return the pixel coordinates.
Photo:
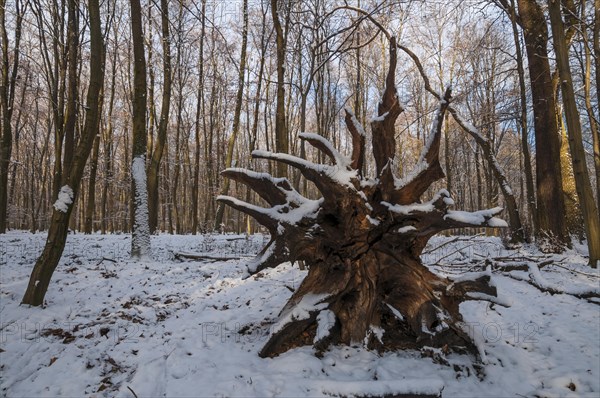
(281, 133)
(159, 146)
(236, 114)
(582, 180)
(63, 207)
(140, 237)
(7, 98)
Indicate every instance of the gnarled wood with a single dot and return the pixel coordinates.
(362, 241)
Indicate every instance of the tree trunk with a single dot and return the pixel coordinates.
(140, 236)
(72, 87)
(593, 119)
(199, 114)
(281, 133)
(57, 234)
(596, 45)
(362, 241)
(7, 97)
(91, 199)
(582, 181)
(550, 205)
(236, 115)
(157, 153)
(531, 204)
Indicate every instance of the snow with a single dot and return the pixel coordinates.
(409, 209)
(379, 118)
(65, 199)
(425, 207)
(420, 167)
(341, 173)
(307, 305)
(481, 217)
(373, 221)
(359, 128)
(340, 160)
(406, 229)
(168, 328)
(396, 313)
(325, 321)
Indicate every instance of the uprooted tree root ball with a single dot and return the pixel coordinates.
(362, 242)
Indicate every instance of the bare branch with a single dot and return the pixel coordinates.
(358, 140)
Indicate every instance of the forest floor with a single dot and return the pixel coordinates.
(166, 327)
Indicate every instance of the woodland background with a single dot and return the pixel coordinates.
(212, 97)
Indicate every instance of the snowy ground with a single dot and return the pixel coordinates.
(112, 327)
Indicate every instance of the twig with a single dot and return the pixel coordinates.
(456, 251)
(106, 259)
(209, 257)
(133, 392)
(457, 239)
(577, 272)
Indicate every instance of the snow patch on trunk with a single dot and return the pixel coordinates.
(65, 199)
(140, 238)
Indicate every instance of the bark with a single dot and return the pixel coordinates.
(107, 155)
(552, 234)
(72, 86)
(594, 119)
(140, 236)
(57, 233)
(531, 203)
(161, 138)
(91, 199)
(596, 46)
(7, 97)
(236, 114)
(199, 112)
(281, 133)
(361, 242)
(582, 181)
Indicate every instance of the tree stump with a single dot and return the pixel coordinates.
(362, 241)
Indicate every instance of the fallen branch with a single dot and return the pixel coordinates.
(523, 266)
(577, 272)
(106, 259)
(203, 257)
(537, 280)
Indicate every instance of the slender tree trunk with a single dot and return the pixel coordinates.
(236, 115)
(531, 203)
(281, 133)
(72, 86)
(57, 234)
(7, 96)
(199, 114)
(140, 237)
(582, 181)
(157, 153)
(91, 199)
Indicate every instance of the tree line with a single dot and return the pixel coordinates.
(225, 78)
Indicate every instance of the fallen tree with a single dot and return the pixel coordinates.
(362, 242)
